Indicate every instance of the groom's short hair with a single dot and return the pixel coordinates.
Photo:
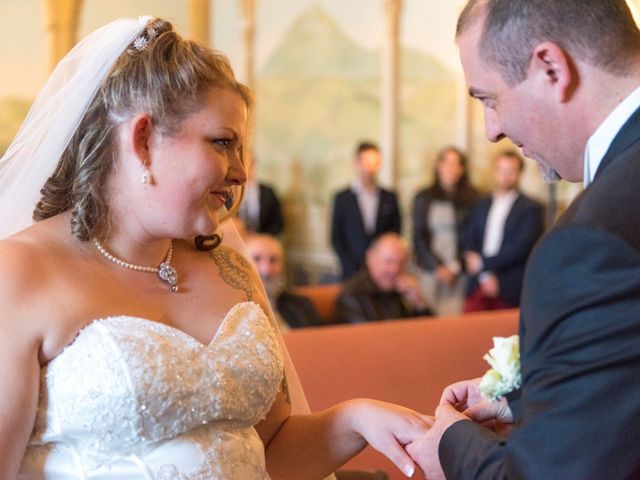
(601, 33)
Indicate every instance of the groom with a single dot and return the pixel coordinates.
(561, 79)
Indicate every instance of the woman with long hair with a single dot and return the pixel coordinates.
(439, 221)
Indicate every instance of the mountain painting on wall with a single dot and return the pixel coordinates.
(319, 94)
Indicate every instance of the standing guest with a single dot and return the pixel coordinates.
(292, 310)
(134, 342)
(362, 211)
(383, 289)
(503, 229)
(440, 215)
(260, 209)
(561, 79)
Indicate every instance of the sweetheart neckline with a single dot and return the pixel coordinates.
(171, 327)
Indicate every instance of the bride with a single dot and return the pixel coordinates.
(126, 350)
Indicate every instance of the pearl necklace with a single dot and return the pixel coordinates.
(165, 271)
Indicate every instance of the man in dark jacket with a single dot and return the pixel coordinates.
(383, 289)
(261, 209)
(561, 79)
(503, 229)
(362, 211)
(291, 310)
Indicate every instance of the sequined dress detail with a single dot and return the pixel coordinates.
(137, 399)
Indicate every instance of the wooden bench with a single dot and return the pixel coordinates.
(323, 298)
(408, 362)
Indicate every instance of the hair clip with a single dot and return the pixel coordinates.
(140, 43)
(145, 37)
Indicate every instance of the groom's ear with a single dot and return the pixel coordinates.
(139, 135)
(555, 69)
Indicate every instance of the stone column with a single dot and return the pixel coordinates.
(198, 21)
(61, 24)
(390, 92)
(464, 107)
(464, 114)
(248, 32)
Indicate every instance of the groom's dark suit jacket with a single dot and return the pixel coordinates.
(578, 411)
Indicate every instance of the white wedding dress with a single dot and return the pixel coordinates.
(131, 398)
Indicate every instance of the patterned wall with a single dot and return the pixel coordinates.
(318, 81)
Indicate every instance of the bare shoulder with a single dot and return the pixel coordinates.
(27, 284)
(19, 290)
(22, 261)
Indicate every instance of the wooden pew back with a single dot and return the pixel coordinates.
(323, 298)
(408, 362)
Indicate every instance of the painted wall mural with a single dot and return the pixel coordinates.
(318, 93)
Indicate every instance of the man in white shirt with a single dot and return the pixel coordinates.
(362, 211)
(503, 229)
(560, 78)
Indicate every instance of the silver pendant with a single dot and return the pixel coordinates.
(168, 274)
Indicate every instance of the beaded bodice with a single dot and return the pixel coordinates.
(128, 386)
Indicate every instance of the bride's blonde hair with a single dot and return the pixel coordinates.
(160, 73)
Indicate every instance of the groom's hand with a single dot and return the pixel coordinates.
(488, 411)
(424, 450)
(462, 395)
(466, 397)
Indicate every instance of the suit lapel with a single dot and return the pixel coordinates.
(485, 216)
(356, 212)
(381, 205)
(512, 214)
(626, 137)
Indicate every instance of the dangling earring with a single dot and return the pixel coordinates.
(146, 178)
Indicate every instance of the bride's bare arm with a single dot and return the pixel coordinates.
(315, 445)
(19, 364)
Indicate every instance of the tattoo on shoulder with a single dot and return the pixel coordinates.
(284, 386)
(234, 269)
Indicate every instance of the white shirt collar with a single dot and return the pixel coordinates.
(359, 189)
(602, 138)
(368, 202)
(508, 197)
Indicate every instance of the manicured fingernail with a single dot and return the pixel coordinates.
(409, 471)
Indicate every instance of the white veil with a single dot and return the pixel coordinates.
(54, 117)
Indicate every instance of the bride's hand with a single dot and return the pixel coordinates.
(388, 428)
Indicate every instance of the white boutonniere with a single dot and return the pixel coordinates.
(504, 376)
